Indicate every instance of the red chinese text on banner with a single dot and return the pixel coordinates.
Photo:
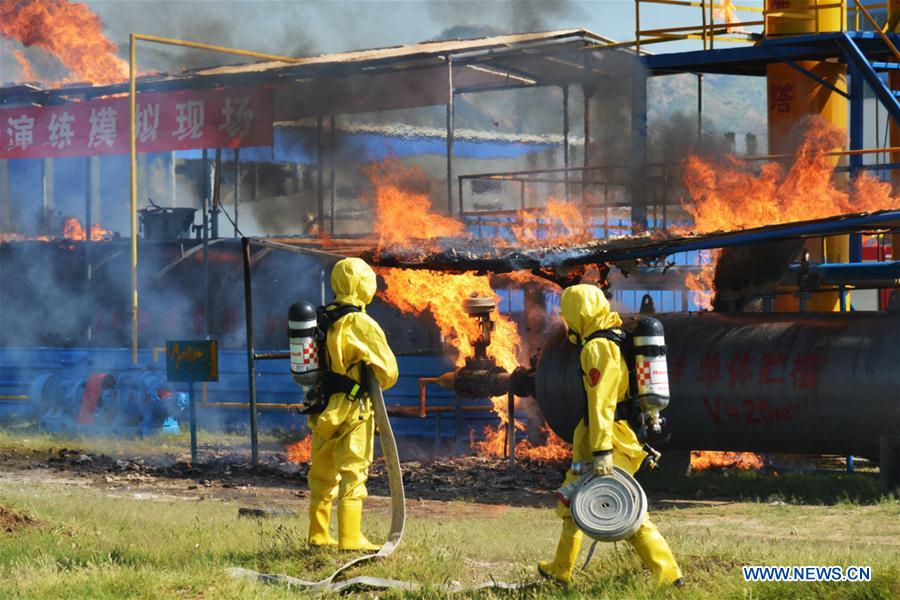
(215, 118)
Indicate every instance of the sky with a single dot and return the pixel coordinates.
(319, 26)
(303, 28)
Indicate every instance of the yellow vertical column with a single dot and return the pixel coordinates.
(894, 80)
(792, 97)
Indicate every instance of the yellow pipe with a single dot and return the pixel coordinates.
(400, 411)
(830, 153)
(708, 27)
(793, 97)
(20, 398)
(214, 48)
(637, 26)
(132, 145)
(260, 405)
(703, 35)
(877, 27)
(133, 38)
(740, 8)
(893, 127)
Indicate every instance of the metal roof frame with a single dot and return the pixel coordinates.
(492, 63)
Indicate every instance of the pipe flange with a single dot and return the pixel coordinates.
(609, 508)
(478, 305)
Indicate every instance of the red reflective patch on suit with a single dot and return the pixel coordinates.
(594, 376)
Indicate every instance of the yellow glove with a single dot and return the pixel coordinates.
(603, 463)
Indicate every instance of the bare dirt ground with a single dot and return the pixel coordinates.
(11, 520)
(428, 484)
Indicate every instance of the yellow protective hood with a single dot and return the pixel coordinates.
(353, 282)
(585, 310)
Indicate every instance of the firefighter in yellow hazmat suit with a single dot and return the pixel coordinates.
(599, 437)
(343, 434)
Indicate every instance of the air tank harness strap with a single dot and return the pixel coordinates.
(625, 408)
(335, 383)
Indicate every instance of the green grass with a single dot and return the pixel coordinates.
(836, 487)
(94, 545)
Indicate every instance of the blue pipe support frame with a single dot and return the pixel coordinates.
(856, 59)
(852, 273)
(752, 60)
(870, 167)
(818, 228)
(803, 70)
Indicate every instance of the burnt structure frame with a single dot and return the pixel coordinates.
(503, 62)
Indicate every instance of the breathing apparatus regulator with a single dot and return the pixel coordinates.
(308, 339)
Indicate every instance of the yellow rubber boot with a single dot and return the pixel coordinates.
(319, 521)
(350, 536)
(563, 564)
(655, 553)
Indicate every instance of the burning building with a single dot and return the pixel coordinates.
(487, 210)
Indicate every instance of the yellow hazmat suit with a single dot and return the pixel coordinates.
(343, 434)
(585, 310)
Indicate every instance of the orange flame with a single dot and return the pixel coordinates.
(28, 74)
(734, 197)
(417, 291)
(67, 30)
(702, 282)
(728, 13)
(74, 230)
(559, 221)
(701, 460)
(737, 194)
(404, 216)
(300, 451)
(494, 445)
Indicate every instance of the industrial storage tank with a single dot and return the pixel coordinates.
(809, 383)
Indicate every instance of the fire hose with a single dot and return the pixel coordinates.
(609, 508)
(606, 508)
(395, 535)
(398, 517)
